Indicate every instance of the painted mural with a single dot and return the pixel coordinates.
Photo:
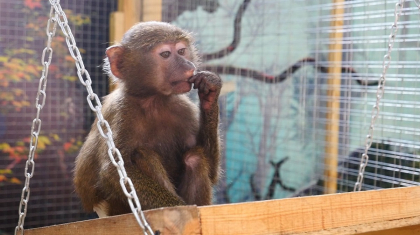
(275, 53)
(273, 58)
(267, 132)
(65, 117)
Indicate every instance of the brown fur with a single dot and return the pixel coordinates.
(169, 145)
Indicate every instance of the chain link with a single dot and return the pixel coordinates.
(103, 126)
(379, 94)
(36, 123)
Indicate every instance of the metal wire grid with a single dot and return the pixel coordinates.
(260, 121)
(302, 97)
(65, 115)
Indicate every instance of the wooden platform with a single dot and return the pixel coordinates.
(384, 212)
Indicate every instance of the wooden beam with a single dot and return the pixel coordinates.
(333, 96)
(152, 10)
(174, 220)
(129, 13)
(116, 29)
(116, 32)
(409, 230)
(132, 12)
(385, 212)
(314, 214)
(407, 226)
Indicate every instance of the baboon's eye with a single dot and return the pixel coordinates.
(181, 51)
(165, 54)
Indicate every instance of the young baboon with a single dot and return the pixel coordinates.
(169, 145)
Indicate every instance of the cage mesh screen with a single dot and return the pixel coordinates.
(65, 117)
(273, 56)
(274, 121)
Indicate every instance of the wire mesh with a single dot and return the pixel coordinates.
(273, 56)
(65, 117)
(274, 126)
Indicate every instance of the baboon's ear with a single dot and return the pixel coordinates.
(114, 54)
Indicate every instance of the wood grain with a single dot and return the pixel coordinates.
(312, 214)
(380, 212)
(152, 10)
(174, 220)
(132, 12)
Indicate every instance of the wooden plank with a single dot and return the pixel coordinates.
(152, 10)
(405, 226)
(409, 230)
(116, 32)
(174, 220)
(312, 214)
(333, 96)
(128, 14)
(116, 29)
(132, 12)
(385, 212)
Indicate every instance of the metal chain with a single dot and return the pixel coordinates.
(379, 94)
(113, 153)
(36, 123)
(57, 15)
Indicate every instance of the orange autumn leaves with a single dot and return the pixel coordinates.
(13, 69)
(4, 177)
(32, 4)
(19, 152)
(20, 65)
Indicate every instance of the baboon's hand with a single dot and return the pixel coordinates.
(208, 85)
